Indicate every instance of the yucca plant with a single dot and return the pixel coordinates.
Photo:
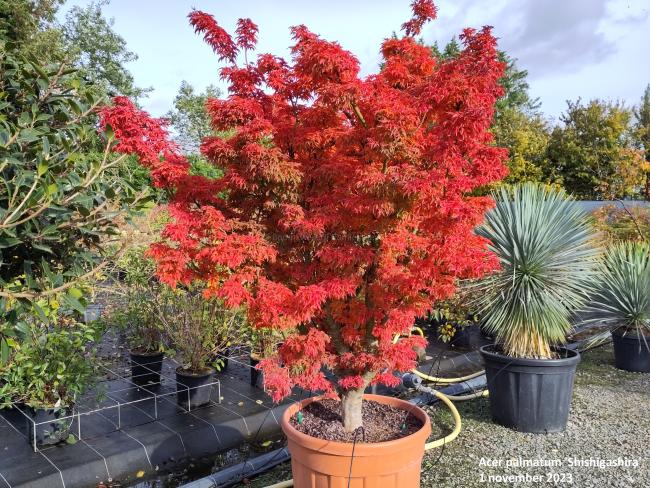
(549, 257)
(622, 297)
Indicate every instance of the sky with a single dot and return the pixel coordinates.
(571, 48)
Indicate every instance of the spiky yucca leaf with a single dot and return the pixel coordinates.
(548, 255)
(622, 297)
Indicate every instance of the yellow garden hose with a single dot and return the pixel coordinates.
(457, 423)
(282, 484)
(471, 396)
(436, 379)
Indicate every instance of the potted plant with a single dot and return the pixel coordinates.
(621, 301)
(345, 210)
(47, 373)
(200, 330)
(136, 316)
(548, 256)
(263, 343)
(455, 319)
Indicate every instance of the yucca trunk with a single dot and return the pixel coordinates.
(527, 344)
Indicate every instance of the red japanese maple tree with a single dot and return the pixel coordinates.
(346, 209)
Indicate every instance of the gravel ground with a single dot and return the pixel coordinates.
(609, 421)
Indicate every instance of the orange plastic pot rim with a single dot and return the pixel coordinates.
(361, 449)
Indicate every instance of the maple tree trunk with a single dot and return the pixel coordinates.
(351, 409)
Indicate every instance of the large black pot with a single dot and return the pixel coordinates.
(631, 353)
(193, 390)
(146, 368)
(530, 395)
(46, 427)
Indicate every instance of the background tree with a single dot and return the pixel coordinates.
(98, 51)
(189, 118)
(31, 26)
(86, 41)
(518, 125)
(346, 207)
(526, 137)
(642, 114)
(592, 154)
(60, 200)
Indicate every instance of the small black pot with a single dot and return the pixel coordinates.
(631, 353)
(485, 334)
(46, 427)
(257, 377)
(463, 337)
(146, 367)
(530, 395)
(193, 390)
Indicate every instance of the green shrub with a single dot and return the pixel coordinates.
(63, 193)
(50, 368)
(631, 223)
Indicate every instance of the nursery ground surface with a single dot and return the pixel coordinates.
(144, 437)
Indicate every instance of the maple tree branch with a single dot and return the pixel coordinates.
(358, 113)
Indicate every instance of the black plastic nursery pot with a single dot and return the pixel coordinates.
(631, 353)
(46, 427)
(463, 336)
(146, 367)
(257, 377)
(530, 395)
(193, 389)
(485, 334)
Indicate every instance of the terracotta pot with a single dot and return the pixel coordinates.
(393, 464)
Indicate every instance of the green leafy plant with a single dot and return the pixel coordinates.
(455, 313)
(63, 191)
(549, 257)
(621, 299)
(136, 313)
(198, 328)
(264, 341)
(50, 368)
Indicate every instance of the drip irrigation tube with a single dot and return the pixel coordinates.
(234, 474)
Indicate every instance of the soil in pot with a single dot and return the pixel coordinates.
(193, 389)
(146, 367)
(530, 395)
(317, 461)
(631, 352)
(381, 422)
(47, 427)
